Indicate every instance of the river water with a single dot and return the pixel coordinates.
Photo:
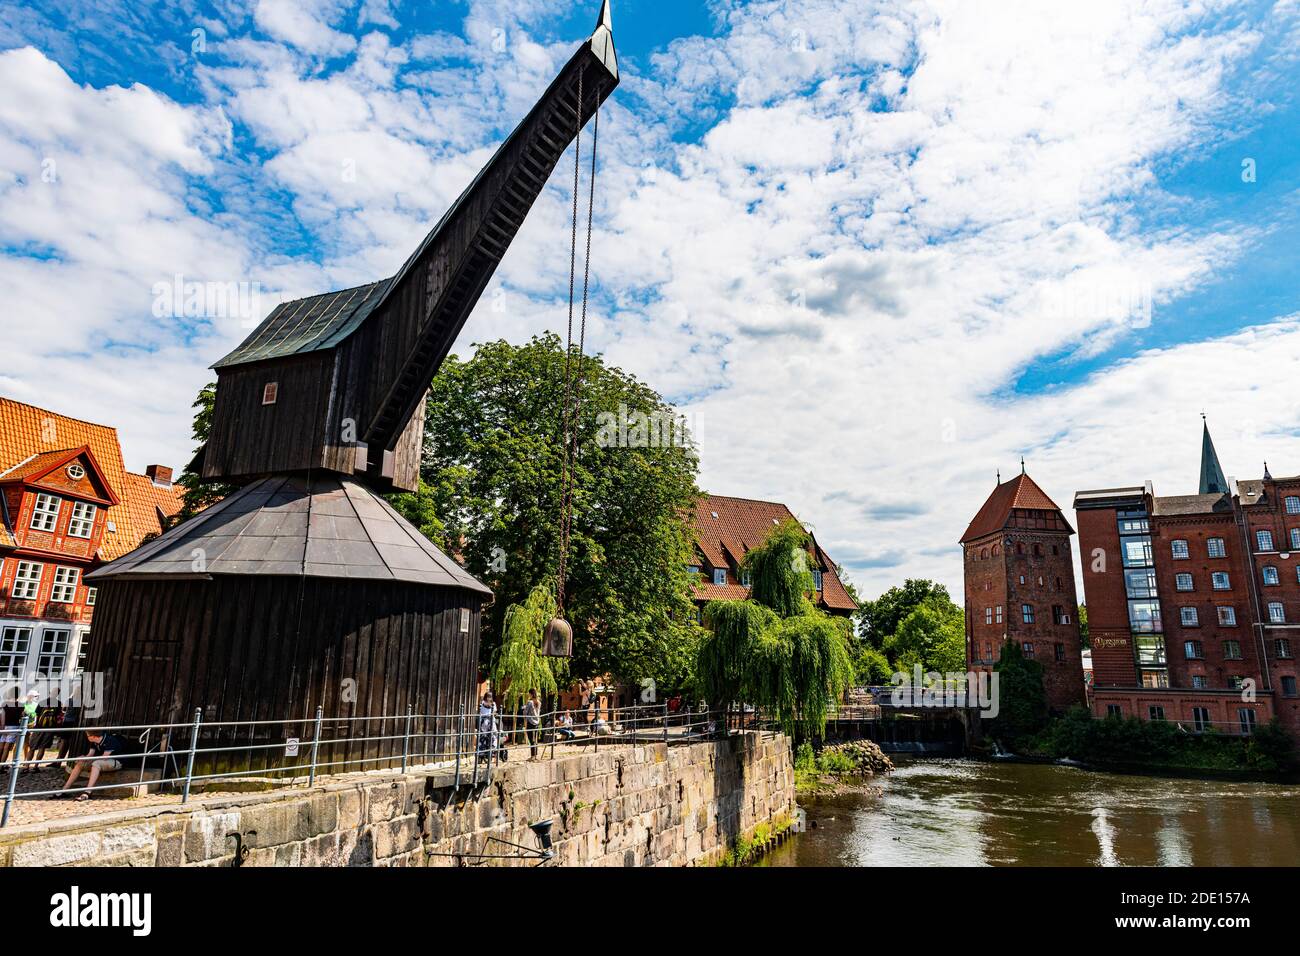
(972, 813)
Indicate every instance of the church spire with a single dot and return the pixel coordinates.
(1212, 480)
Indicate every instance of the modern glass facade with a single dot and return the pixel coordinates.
(1144, 619)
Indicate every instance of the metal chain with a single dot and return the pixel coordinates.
(569, 427)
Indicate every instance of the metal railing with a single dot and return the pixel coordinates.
(472, 747)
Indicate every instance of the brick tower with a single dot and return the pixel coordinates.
(1019, 577)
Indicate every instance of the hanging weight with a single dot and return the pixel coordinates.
(558, 641)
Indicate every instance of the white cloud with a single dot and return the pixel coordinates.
(306, 24)
(895, 208)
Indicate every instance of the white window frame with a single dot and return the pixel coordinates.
(1270, 575)
(15, 646)
(719, 572)
(1227, 616)
(1189, 617)
(64, 590)
(45, 513)
(1182, 576)
(997, 614)
(27, 586)
(1295, 539)
(1292, 505)
(1264, 541)
(52, 650)
(1179, 549)
(1216, 548)
(1276, 612)
(1218, 576)
(91, 594)
(988, 615)
(82, 521)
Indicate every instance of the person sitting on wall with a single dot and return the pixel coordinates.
(105, 754)
(564, 726)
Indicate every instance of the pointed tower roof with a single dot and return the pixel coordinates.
(1009, 506)
(1212, 480)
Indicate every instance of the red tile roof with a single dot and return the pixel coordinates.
(727, 528)
(1020, 493)
(27, 431)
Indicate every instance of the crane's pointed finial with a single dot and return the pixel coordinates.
(1022, 464)
(1267, 476)
(999, 476)
(602, 40)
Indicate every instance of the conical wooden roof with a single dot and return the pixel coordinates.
(332, 527)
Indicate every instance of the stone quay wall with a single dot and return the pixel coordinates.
(621, 805)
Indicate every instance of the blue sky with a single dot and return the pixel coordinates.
(913, 241)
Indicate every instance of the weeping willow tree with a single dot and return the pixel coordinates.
(518, 664)
(777, 649)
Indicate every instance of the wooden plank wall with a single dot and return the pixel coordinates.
(271, 648)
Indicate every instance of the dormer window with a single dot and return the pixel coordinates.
(817, 579)
(719, 575)
(745, 578)
(270, 392)
(46, 513)
(82, 520)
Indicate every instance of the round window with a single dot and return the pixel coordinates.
(76, 472)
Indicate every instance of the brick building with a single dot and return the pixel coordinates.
(727, 528)
(67, 504)
(1019, 576)
(1194, 600)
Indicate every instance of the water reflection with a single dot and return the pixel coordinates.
(969, 813)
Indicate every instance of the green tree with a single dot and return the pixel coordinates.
(777, 649)
(1022, 702)
(871, 666)
(493, 453)
(518, 665)
(932, 635)
(1084, 637)
(196, 494)
(880, 618)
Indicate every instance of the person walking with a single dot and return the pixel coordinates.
(487, 725)
(532, 722)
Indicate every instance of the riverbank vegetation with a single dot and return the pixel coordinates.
(765, 836)
(1128, 742)
(838, 766)
(1025, 728)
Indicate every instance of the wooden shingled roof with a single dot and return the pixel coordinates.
(329, 527)
(727, 528)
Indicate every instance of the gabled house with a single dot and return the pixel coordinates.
(67, 505)
(726, 529)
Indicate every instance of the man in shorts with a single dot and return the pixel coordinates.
(101, 759)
